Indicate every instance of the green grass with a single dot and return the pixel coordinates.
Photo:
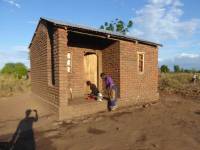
(9, 85)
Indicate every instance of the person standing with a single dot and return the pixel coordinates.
(111, 90)
(194, 78)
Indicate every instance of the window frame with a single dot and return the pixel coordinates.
(138, 62)
(69, 59)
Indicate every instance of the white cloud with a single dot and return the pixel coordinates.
(160, 59)
(187, 55)
(13, 3)
(184, 60)
(20, 48)
(17, 53)
(161, 19)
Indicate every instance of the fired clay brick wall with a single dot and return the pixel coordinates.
(46, 40)
(111, 62)
(40, 66)
(60, 46)
(76, 77)
(63, 90)
(135, 86)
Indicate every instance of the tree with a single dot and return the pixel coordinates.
(17, 69)
(117, 26)
(20, 70)
(182, 70)
(177, 68)
(164, 69)
(187, 71)
(193, 70)
(8, 68)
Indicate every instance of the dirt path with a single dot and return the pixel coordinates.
(172, 124)
(12, 110)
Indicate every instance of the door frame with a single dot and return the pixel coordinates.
(98, 53)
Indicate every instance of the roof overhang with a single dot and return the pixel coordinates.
(94, 31)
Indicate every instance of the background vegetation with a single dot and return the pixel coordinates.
(177, 69)
(13, 79)
(179, 83)
(18, 70)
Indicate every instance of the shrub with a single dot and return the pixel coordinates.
(164, 69)
(177, 68)
(10, 85)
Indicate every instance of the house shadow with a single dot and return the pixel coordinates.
(23, 138)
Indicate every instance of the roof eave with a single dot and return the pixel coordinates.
(116, 35)
(112, 34)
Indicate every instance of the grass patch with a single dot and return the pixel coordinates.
(9, 85)
(179, 83)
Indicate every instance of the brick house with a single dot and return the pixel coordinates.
(64, 56)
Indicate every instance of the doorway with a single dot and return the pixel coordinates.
(90, 69)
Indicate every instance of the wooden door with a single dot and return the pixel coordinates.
(90, 67)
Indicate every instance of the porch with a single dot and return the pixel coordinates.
(90, 55)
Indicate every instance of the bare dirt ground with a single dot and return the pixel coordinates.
(171, 124)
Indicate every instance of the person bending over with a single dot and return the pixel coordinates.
(111, 90)
(94, 91)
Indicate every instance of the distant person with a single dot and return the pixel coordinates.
(94, 91)
(23, 138)
(111, 90)
(194, 78)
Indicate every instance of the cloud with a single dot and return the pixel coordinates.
(17, 53)
(160, 59)
(185, 60)
(13, 3)
(186, 55)
(161, 19)
(20, 48)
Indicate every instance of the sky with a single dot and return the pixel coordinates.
(173, 23)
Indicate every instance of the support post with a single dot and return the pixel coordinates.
(61, 46)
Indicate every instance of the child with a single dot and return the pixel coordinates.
(94, 91)
(111, 90)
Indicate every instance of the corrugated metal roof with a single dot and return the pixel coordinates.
(114, 34)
